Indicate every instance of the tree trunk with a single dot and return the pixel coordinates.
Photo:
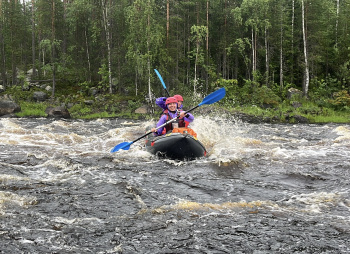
(167, 24)
(195, 69)
(266, 59)
(64, 46)
(306, 74)
(53, 51)
(106, 24)
(24, 43)
(253, 53)
(149, 61)
(224, 51)
(136, 90)
(88, 54)
(13, 60)
(33, 40)
(207, 50)
(292, 64)
(281, 50)
(336, 24)
(3, 60)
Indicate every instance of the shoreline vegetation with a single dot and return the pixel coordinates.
(280, 61)
(258, 106)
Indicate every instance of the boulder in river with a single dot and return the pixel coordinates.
(8, 107)
(59, 112)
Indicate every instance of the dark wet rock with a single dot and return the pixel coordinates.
(57, 112)
(39, 96)
(296, 119)
(8, 107)
(301, 119)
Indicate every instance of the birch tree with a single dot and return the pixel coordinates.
(306, 60)
(199, 34)
(33, 39)
(106, 6)
(2, 43)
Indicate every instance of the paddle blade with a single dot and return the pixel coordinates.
(160, 78)
(124, 146)
(214, 96)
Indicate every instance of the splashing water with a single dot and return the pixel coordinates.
(264, 188)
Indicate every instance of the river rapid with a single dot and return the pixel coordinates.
(263, 188)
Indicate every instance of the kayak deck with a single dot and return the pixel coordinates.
(181, 146)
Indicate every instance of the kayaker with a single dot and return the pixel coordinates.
(179, 99)
(169, 113)
(160, 102)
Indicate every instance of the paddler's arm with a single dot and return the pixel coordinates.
(161, 121)
(187, 117)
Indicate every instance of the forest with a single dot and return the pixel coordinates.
(257, 49)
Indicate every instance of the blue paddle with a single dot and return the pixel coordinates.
(162, 81)
(210, 99)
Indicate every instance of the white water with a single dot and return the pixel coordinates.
(60, 174)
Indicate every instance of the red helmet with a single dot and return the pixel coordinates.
(178, 97)
(170, 100)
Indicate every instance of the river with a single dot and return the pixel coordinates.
(263, 188)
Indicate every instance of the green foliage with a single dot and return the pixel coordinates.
(251, 93)
(104, 83)
(232, 90)
(281, 91)
(309, 108)
(132, 105)
(32, 109)
(79, 110)
(323, 87)
(264, 95)
(341, 100)
(85, 87)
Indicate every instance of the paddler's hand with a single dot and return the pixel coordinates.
(153, 129)
(182, 114)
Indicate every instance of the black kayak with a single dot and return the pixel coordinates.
(181, 146)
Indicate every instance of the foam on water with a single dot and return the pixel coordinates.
(316, 202)
(344, 135)
(8, 198)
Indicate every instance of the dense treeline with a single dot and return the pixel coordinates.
(115, 45)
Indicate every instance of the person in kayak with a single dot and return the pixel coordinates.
(169, 113)
(160, 102)
(179, 99)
